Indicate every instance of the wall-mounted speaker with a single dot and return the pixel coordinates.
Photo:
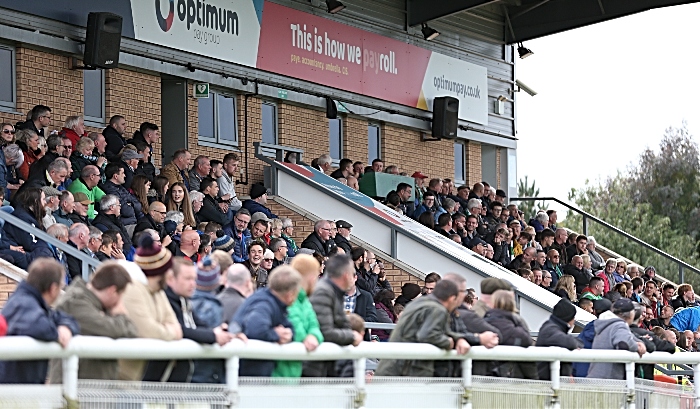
(102, 40)
(445, 117)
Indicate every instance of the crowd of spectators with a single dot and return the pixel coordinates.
(182, 256)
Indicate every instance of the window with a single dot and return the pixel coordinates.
(217, 119)
(269, 123)
(7, 79)
(335, 136)
(460, 162)
(374, 149)
(94, 96)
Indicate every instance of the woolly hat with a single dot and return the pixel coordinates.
(170, 226)
(257, 190)
(208, 273)
(491, 284)
(410, 291)
(564, 310)
(223, 241)
(152, 258)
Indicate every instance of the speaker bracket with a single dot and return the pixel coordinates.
(74, 65)
(424, 138)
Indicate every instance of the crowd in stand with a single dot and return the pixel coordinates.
(183, 257)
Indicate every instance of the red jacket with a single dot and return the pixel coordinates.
(3, 326)
(70, 134)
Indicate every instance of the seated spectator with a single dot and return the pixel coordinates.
(302, 316)
(559, 244)
(427, 220)
(633, 270)
(241, 235)
(131, 210)
(448, 207)
(78, 238)
(73, 130)
(428, 205)
(526, 273)
(597, 262)
(111, 247)
(38, 118)
(28, 312)
(212, 210)
(586, 304)
(263, 316)
(539, 222)
(594, 290)
(11, 157)
(575, 269)
(28, 141)
(649, 297)
(342, 238)
(55, 175)
(130, 159)
(566, 288)
(60, 233)
(194, 325)
(579, 248)
(83, 156)
(555, 333)
(257, 201)
(197, 200)
(154, 220)
(409, 292)
(147, 134)
(384, 304)
(98, 309)
(426, 321)
(256, 251)
(177, 199)
(189, 245)
(612, 332)
(28, 207)
(51, 203)
(87, 184)
(320, 240)
(205, 246)
(620, 273)
(114, 137)
(176, 171)
(259, 225)
(650, 274)
(55, 150)
(238, 287)
(523, 260)
(546, 280)
(108, 219)
(685, 297)
(66, 207)
(287, 232)
(279, 251)
(344, 169)
(199, 171)
(327, 300)
(94, 243)
(144, 167)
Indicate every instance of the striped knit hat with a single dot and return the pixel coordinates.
(208, 273)
(152, 258)
(223, 241)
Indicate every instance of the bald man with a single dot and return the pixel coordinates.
(189, 244)
(154, 220)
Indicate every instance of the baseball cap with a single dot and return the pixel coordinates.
(418, 175)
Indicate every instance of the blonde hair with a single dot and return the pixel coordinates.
(504, 300)
(83, 143)
(586, 260)
(568, 284)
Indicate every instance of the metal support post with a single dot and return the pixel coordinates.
(696, 387)
(467, 383)
(585, 225)
(554, 375)
(70, 379)
(360, 367)
(629, 376)
(681, 274)
(232, 365)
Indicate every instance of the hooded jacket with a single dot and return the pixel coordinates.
(555, 333)
(611, 333)
(686, 319)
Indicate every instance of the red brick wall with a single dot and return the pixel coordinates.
(7, 287)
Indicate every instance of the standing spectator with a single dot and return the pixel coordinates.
(73, 130)
(98, 309)
(409, 292)
(28, 312)
(39, 119)
(147, 304)
(148, 133)
(108, 219)
(560, 246)
(204, 301)
(263, 316)
(384, 304)
(360, 302)
(227, 181)
(426, 321)
(199, 171)
(488, 287)
(114, 137)
(614, 333)
(327, 300)
(320, 240)
(144, 167)
(176, 171)
(302, 316)
(87, 184)
(238, 287)
(555, 333)
(258, 200)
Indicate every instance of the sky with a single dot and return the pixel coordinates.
(605, 93)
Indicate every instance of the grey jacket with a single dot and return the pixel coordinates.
(424, 320)
(231, 299)
(611, 332)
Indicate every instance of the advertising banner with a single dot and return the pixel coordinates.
(289, 42)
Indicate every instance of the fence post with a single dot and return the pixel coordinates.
(585, 225)
(681, 274)
(467, 383)
(360, 367)
(232, 365)
(629, 376)
(554, 374)
(70, 380)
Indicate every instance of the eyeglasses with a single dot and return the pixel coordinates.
(240, 221)
(325, 229)
(66, 146)
(268, 259)
(163, 213)
(8, 131)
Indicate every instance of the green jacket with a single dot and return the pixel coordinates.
(95, 195)
(303, 318)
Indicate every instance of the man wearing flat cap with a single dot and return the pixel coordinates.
(341, 239)
(488, 287)
(612, 332)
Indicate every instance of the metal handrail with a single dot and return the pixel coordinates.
(682, 265)
(85, 261)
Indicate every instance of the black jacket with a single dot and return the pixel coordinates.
(512, 333)
(555, 333)
(78, 162)
(474, 323)
(517, 263)
(646, 371)
(211, 212)
(38, 168)
(315, 243)
(580, 277)
(364, 307)
(131, 210)
(147, 222)
(115, 143)
(343, 243)
(106, 222)
(30, 126)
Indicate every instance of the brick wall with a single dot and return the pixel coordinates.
(304, 226)
(355, 139)
(404, 148)
(7, 287)
(474, 163)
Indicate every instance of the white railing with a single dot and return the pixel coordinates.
(25, 348)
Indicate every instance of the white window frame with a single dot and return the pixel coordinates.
(379, 142)
(92, 120)
(336, 161)
(275, 121)
(11, 105)
(463, 179)
(217, 132)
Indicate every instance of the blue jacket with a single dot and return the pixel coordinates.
(28, 314)
(240, 246)
(208, 307)
(131, 210)
(254, 207)
(257, 318)
(420, 210)
(580, 369)
(686, 319)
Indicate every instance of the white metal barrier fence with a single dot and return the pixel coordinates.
(465, 392)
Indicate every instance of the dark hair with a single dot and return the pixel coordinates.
(257, 243)
(637, 282)
(204, 241)
(336, 265)
(444, 219)
(38, 111)
(29, 199)
(345, 162)
(116, 118)
(495, 204)
(206, 183)
(212, 227)
(158, 185)
(458, 215)
(432, 278)
(113, 169)
(546, 233)
(112, 235)
(428, 194)
(356, 253)
(582, 302)
(52, 142)
(110, 273)
(393, 199)
(594, 281)
(377, 160)
(471, 216)
(401, 186)
(231, 157)
(525, 235)
(385, 297)
(445, 289)
(147, 126)
(581, 237)
(43, 273)
(215, 162)
(427, 219)
(666, 286)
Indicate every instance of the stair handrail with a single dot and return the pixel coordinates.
(682, 265)
(85, 261)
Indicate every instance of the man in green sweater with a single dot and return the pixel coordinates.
(87, 183)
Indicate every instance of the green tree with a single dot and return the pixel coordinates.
(529, 208)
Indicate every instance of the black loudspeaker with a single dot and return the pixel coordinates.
(331, 109)
(445, 115)
(102, 40)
